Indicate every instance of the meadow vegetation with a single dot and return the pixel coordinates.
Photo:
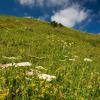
(65, 62)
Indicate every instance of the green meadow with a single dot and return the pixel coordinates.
(65, 63)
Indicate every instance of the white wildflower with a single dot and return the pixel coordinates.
(30, 73)
(88, 60)
(46, 77)
(23, 64)
(40, 67)
(34, 72)
(75, 56)
(72, 59)
(66, 56)
(11, 58)
(62, 41)
(70, 44)
(65, 43)
(5, 65)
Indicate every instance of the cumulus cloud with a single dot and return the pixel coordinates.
(70, 16)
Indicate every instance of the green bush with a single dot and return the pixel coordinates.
(55, 24)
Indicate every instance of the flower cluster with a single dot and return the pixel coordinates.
(88, 60)
(46, 77)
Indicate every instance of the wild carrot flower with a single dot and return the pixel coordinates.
(75, 56)
(72, 59)
(46, 77)
(24, 64)
(40, 67)
(88, 60)
(30, 73)
(12, 58)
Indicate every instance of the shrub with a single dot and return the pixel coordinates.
(60, 25)
(55, 24)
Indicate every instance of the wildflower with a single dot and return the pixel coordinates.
(75, 56)
(24, 64)
(66, 56)
(62, 41)
(70, 44)
(46, 77)
(36, 72)
(89, 86)
(40, 67)
(33, 72)
(17, 77)
(30, 73)
(6, 65)
(72, 59)
(88, 60)
(65, 43)
(12, 58)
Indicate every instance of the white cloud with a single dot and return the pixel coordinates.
(70, 16)
(52, 3)
(48, 3)
(26, 2)
(31, 2)
(39, 2)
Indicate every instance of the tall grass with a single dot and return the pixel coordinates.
(59, 50)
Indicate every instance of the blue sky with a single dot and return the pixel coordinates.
(79, 14)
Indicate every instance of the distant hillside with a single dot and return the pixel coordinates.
(25, 37)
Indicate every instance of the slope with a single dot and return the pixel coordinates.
(72, 56)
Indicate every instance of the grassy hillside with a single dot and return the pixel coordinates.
(73, 57)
